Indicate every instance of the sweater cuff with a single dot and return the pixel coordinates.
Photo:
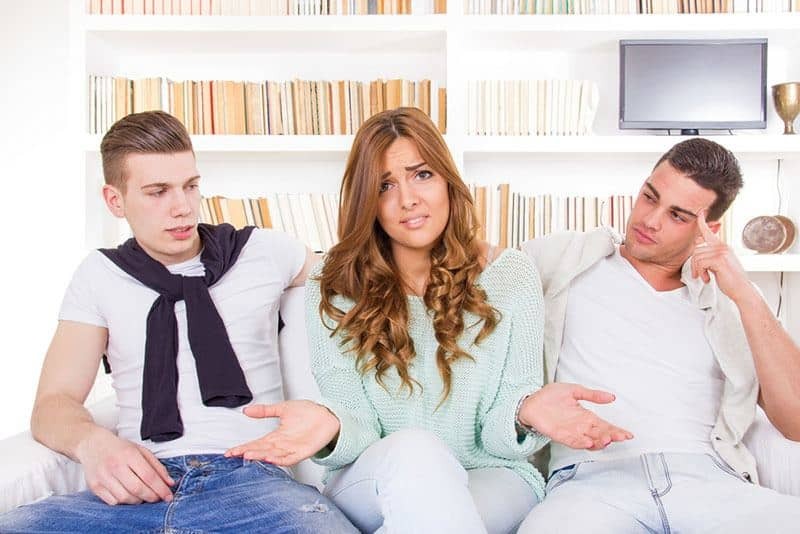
(350, 443)
(505, 434)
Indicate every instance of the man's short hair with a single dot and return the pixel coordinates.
(711, 166)
(149, 132)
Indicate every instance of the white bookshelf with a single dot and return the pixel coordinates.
(450, 49)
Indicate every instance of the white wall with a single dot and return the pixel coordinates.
(40, 216)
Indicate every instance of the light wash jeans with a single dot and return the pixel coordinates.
(212, 494)
(410, 483)
(663, 493)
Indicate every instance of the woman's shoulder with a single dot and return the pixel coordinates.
(510, 273)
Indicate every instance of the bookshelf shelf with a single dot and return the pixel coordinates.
(583, 33)
(769, 262)
(746, 146)
(235, 24)
(269, 144)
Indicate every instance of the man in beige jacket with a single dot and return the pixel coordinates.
(669, 323)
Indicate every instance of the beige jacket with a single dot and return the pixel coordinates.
(562, 257)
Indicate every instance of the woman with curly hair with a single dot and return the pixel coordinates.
(426, 343)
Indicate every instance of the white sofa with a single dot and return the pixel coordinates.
(30, 471)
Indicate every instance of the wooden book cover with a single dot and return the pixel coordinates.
(374, 97)
(205, 214)
(287, 108)
(425, 91)
(364, 100)
(264, 213)
(189, 106)
(442, 119)
(297, 107)
(394, 93)
(206, 127)
(121, 98)
(216, 205)
(234, 108)
(248, 212)
(344, 127)
(480, 210)
(336, 108)
(504, 215)
(218, 107)
(255, 211)
(313, 106)
(197, 111)
(254, 108)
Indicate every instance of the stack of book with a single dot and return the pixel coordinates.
(626, 7)
(531, 107)
(246, 8)
(509, 218)
(310, 217)
(297, 107)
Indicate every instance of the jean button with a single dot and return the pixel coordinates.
(195, 463)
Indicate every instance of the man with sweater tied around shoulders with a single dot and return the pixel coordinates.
(186, 314)
(669, 323)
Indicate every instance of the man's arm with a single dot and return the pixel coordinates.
(311, 260)
(776, 356)
(116, 470)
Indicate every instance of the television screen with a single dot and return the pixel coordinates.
(693, 84)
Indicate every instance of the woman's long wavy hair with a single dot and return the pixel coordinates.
(361, 267)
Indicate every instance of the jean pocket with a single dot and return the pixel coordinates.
(725, 468)
(271, 469)
(560, 476)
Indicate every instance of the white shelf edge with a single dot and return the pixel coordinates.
(625, 24)
(257, 143)
(770, 262)
(289, 23)
(766, 144)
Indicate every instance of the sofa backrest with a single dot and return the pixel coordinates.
(298, 382)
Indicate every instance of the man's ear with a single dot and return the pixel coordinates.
(114, 200)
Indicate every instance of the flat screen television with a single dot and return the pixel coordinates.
(692, 84)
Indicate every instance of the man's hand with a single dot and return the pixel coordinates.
(121, 472)
(555, 412)
(305, 428)
(717, 257)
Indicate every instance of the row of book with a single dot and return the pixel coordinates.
(626, 7)
(531, 107)
(507, 218)
(311, 217)
(255, 8)
(297, 107)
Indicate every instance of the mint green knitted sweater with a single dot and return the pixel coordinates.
(477, 419)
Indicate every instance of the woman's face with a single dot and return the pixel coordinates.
(413, 204)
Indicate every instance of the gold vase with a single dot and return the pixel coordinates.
(787, 103)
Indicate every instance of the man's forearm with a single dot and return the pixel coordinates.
(62, 424)
(777, 362)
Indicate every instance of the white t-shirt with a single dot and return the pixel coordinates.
(247, 298)
(649, 349)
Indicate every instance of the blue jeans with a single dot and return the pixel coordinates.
(212, 494)
(664, 493)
